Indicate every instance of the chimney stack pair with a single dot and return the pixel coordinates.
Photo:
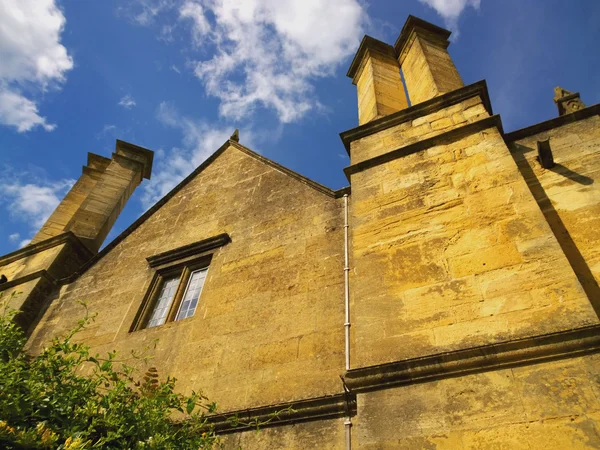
(420, 53)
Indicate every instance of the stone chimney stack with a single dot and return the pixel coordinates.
(376, 73)
(422, 53)
(93, 204)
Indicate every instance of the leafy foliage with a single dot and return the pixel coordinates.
(67, 398)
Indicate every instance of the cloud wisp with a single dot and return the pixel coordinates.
(199, 140)
(32, 202)
(262, 53)
(127, 102)
(451, 10)
(33, 60)
(267, 53)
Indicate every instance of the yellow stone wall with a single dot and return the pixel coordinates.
(322, 435)
(462, 244)
(450, 250)
(551, 406)
(412, 131)
(269, 327)
(569, 193)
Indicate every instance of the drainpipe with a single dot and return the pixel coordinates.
(348, 421)
(348, 425)
(346, 283)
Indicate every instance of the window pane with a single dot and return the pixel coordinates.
(163, 302)
(192, 293)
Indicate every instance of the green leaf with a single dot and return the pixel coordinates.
(191, 404)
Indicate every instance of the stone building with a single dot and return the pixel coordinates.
(448, 298)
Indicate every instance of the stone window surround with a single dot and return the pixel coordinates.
(180, 262)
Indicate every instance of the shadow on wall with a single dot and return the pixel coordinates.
(559, 169)
(578, 263)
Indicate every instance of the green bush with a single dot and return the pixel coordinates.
(67, 398)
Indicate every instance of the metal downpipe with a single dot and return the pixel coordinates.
(348, 421)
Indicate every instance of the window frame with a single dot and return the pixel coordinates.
(181, 262)
(183, 271)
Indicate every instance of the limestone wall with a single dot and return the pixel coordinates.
(322, 435)
(450, 250)
(569, 193)
(412, 131)
(269, 327)
(552, 406)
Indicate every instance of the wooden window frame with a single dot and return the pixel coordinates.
(180, 262)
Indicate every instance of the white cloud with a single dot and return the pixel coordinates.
(14, 237)
(268, 52)
(127, 102)
(20, 112)
(451, 10)
(199, 141)
(144, 12)
(33, 59)
(33, 202)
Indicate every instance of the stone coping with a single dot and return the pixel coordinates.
(25, 278)
(530, 350)
(552, 123)
(413, 23)
(448, 136)
(372, 44)
(478, 88)
(321, 408)
(518, 352)
(137, 153)
(32, 249)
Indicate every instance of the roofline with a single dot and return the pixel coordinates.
(555, 122)
(229, 143)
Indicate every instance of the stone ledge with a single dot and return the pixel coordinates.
(31, 249)
(321, 408)
(422, 109)
(552, 123)
(25, 278)
(189, 250)
(537, 349)
(452, 135)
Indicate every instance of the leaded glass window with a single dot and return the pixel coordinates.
(163, 302)
(192, 294)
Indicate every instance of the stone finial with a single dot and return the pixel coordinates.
(567, 102)
(235, 136)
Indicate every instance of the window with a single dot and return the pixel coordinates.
(192, 294)
(175, 296)
(175, 290)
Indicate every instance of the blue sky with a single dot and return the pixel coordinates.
(178, 76)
